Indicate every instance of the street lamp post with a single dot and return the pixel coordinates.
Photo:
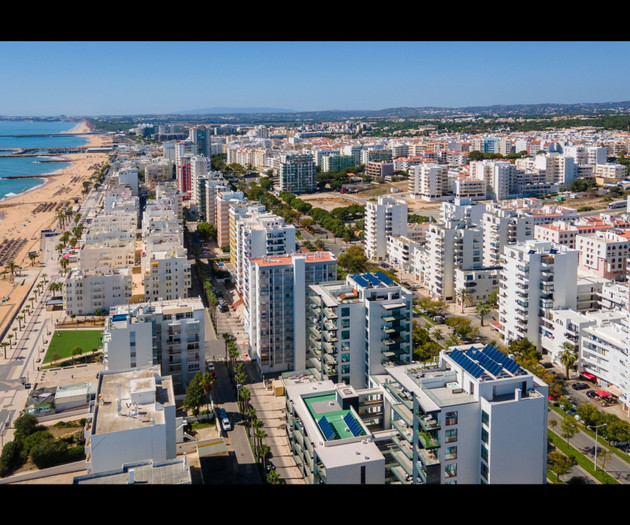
(595, 454)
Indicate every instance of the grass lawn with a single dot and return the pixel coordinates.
(67, 340)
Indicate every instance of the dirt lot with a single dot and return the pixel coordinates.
(327, 201)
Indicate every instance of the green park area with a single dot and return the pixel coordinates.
(64, 342)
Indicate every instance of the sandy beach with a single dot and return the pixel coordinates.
(23, 216)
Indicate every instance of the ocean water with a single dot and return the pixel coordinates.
(15, 134)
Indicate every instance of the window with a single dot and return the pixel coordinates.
(450, 453)
(484, 435)
(450, 435)
(451, 418)
(345, 334)
(450, 470)
(485, 418)
(345, 312)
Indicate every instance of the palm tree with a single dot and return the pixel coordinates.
(206, 383)
(568, 357)
(226, 337)
(63, 262)
(482, 309)
(12, 267)
(32, 256)
(10, 338)
(4, 345)
(463, 296)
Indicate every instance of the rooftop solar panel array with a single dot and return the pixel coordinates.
(385, 279)
(509, 364)
(489, 360)
(374, 279)
(360, 280)
(327, 429)
(466, 363)
(353, 424)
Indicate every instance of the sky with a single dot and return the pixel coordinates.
(76, 78)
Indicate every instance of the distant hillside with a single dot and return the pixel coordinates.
(504, 110)
(224, 111)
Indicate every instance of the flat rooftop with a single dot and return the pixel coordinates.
(333, 421)
(131, 399)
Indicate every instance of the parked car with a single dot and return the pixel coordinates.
(591, 393)
(579, 386)
(225, 423)
(619, 444)
(439, 319)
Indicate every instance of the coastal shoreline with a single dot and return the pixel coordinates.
(25, 215)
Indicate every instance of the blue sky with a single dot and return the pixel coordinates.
(122, 78)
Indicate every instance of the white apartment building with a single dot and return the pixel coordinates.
(449, 246)
(118, 220)
(558, 169)
(603, 254)
(297, 173)
(611, 170)
(386, 217)
(331, 444)
(167, 274)
(275, 308)
(429, 182)
(479, 283)
(604, 352)
(86, 292)
(462, 210)
(128, 176)
(400, 251)
(132, 419)
(502, 227)
(339, 346)
(169, 333)
(500, 177)
(240, 210)
(158, 171)
(259, 234)
(109, 253)
(614, 296)
(476, 417)
(465, 187)
(535, 276)
(388, 318)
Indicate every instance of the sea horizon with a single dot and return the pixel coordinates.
(14, 134)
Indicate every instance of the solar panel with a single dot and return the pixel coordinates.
(372, 278)
(466, 363)
(485, 361)
(509, 364)
(353, 424)
(384, 278)
(360, 280)
(328, 430)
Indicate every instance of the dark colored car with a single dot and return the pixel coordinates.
(591, 393)
(619, 444)
(579, 386)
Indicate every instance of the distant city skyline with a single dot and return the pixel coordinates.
(142, 77)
